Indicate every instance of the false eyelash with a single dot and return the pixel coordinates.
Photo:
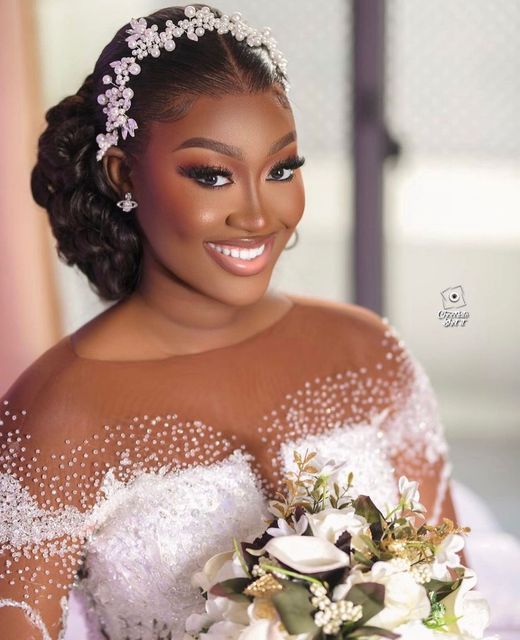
(205, 171)
(292, 162)
(208, 171)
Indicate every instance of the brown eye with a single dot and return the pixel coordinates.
(288, 165)
(205, 175)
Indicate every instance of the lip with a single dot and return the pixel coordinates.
(240, 267)
(250, 243)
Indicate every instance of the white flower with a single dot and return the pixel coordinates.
(416, 630)
(330, 523)
(307, 554)
(446, 552)
(340, 591)
(335, 472)
(405, 600)
(222, 608)
(223, 630)
(219, 567)
(410, 496)
(285, 529)
(331, 467)
(470, 605)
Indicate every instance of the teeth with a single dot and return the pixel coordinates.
(243, 254)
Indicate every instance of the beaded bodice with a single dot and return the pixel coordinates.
(119, 480)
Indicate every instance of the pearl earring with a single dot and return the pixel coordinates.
(127, 204)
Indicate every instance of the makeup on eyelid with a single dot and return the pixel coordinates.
(207, 171)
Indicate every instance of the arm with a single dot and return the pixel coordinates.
(39, 531)
(416, 433)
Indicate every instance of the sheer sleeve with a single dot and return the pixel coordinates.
(414, 429)
(42, 527)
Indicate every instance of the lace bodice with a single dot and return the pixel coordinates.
(124, 509)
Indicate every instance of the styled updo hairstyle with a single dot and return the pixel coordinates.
(67, 180)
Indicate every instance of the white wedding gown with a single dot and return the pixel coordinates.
(151, 524)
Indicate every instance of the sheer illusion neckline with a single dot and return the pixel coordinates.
(259, 335)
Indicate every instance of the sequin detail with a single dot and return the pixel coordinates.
(126, 514)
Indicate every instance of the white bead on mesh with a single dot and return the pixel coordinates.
(144, 40)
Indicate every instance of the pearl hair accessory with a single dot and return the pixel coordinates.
(127, 204)
(144, 40)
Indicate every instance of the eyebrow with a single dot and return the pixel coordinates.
(235, 152)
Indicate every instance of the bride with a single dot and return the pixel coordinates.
(172, 180)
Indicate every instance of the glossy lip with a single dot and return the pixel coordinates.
(243, 267)
(251, 243)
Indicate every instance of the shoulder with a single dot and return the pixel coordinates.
(346, 322)
(41, 390)
(346, 336)
(340, 312)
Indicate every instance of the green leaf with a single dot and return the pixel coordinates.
(370, 544)
(371, 596)
(295, 609)
(366, 508)
(232, 589)
(441, 588)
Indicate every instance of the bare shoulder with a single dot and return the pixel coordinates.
(341, 312)
(350, 333)
(47, 398)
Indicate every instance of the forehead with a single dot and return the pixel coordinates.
(251, 121)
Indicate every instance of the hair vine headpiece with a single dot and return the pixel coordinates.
(144, 40)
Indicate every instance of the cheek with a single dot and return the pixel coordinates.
(172, 207)
(289, 203)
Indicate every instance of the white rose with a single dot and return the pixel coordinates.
(223, 630)
(340, 591)
(221, 608)
(261, 630)
(405, 600)
(416, 631)
(330, 523)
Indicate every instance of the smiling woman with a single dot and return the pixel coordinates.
(138, 446)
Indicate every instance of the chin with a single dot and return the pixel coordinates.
(241, 291)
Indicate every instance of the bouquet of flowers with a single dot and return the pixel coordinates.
(331, 564)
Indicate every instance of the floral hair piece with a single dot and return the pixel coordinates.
(144, 40)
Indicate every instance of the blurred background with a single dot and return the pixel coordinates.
(407, 114)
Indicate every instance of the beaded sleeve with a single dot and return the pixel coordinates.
(42, 525)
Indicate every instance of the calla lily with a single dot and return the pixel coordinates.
(307, 554)
(219, 567)
(471, 606)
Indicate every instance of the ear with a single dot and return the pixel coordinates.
(117, 170)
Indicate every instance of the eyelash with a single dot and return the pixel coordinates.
(203, 171)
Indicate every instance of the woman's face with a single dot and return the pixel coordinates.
(226, 171)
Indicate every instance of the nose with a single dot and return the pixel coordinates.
(250, 213)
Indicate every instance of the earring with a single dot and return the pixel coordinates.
(294, 243)
(127, 204)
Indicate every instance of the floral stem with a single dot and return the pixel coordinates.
(290, 573)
